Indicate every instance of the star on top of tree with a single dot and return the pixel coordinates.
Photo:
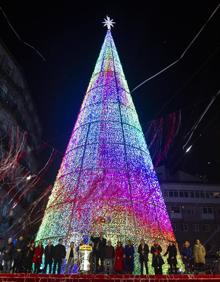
(108, 22)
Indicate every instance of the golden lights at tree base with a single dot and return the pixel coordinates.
(107, 181)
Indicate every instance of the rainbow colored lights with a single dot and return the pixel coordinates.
(107, 180)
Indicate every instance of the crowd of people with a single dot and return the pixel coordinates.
(24, 256)
(121, 259)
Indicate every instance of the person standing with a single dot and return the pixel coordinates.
(119, 258)
(59, 255)
(172, 261)
(143, 251)
(109, 255)
(199, 254)
(19, 255)
(157, 260)
(37, 258)
(8, 256)
(129, 257)
(1, 262)
(49, 251)
(71, 258)
(187, 256)
(28, 257)
(99, 244)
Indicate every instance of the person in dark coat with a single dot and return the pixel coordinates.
(28, 257)
(99, 244)
(129, 257)
(172, 261)
(109, 258)
(8, 256)
(143, 251)
(37, 258)
(48, 252)
(187, 256)
(157, 260)
(19, 255)
(1, 261)
(59, 255)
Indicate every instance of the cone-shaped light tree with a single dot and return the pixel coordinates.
(107, 181)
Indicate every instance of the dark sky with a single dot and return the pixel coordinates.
(148, 37)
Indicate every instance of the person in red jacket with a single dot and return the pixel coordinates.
(119, 258)
(37, 258)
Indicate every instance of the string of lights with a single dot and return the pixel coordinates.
(106, 181)
(182, 54)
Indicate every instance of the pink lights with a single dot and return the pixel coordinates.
(107, 180)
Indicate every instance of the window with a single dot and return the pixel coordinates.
(174, 227)
(192, 194)
(190, 211)
(170, 193)
(186, 194)
(196, 227)
(5, 210)
(175, 209)
(181, 194)
(207, 210)
(208, 213)
(175, 212)
(206, 228)
(184, 227)
(202, 195)
(197, 194)
(3, 90)
(210, 210)
(8, 70)
(165, 193)
(207, 194)
(175, 193)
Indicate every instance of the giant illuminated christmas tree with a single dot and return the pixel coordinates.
(107, 180)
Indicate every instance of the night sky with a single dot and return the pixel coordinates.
(148, 37)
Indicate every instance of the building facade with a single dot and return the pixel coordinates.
(16, 106)
(17, 113)
(194, 208)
